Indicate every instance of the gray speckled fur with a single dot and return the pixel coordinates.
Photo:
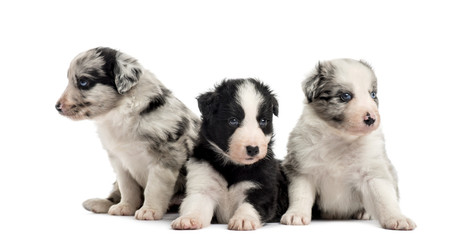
(336, 162)
(148, 133)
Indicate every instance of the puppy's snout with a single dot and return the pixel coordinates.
(369, 119)
(252, 150)
(58, 107)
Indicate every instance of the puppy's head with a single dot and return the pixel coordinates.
(343, 93)
(237, 119)
(97, 79)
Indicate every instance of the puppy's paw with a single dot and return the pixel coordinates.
(97, 205)
(295, 218)
(362, 215)
(187, 223)
(398, 223)
(122, 209)
(146, 213)
(244, 223)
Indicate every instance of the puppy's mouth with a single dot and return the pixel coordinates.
(74, 116)
(243, 159)
(361, 129)
(73, 112)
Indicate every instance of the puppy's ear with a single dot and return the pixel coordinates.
(127, 72)
(275, 106)
(312, 85)
(207, 104)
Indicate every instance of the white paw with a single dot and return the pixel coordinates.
(398, 223)
(97, 205)
(294, 218)
(363, 215)
(146, 213)
(122, 209)
(244, 223)
(187, 223)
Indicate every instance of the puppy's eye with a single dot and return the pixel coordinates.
(373, 95)
(233, 122)
(263, 122)
(345, 97)
(83, 82)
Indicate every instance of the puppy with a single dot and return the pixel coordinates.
(233, 173)
(148, 133)
(336, 158)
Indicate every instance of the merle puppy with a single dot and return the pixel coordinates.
(233, 173)
(148, 133)
(336, 160)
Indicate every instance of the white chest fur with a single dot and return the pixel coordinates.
(339, 169)
(124, 148)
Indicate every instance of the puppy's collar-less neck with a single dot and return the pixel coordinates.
(219, 151)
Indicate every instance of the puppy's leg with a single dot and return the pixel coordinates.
(99, 205)
(301, 199)
(245, 218)
(158, 192)
(380, 200)
(130, 192)
(204, 189)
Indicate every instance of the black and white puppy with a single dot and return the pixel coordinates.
(233, 173)
(148, 133)
(336, 160)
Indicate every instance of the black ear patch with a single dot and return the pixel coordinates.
(323, 73)
(127, 71)
(275, 106)
(207, 104)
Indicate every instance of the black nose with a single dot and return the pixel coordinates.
(58, 107)
(252, 151)
(369, 120)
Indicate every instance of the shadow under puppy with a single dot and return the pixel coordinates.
(233, 174)
(148, 133)
(336, 159)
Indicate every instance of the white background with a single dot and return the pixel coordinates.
(419, 50)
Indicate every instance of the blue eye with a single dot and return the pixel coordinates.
(263, 122)
(345, 97)
(373, 95)
(233, 122)
(83, 82)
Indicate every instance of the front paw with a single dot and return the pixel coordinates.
(97, 205)
(398, 223)
(146, 213)
(244, 223)
(362, 215)
(187, 223)
(122, 209)
(296, 218)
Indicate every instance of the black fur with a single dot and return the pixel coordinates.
(109, 57)
(270, 199)
(93, 77)
(157, 101)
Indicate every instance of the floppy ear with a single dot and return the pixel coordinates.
(127, 72)
(312, 84)
(275, 106)
(207, 104)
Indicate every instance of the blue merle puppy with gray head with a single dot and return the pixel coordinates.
(148, 133)
(336, 161)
